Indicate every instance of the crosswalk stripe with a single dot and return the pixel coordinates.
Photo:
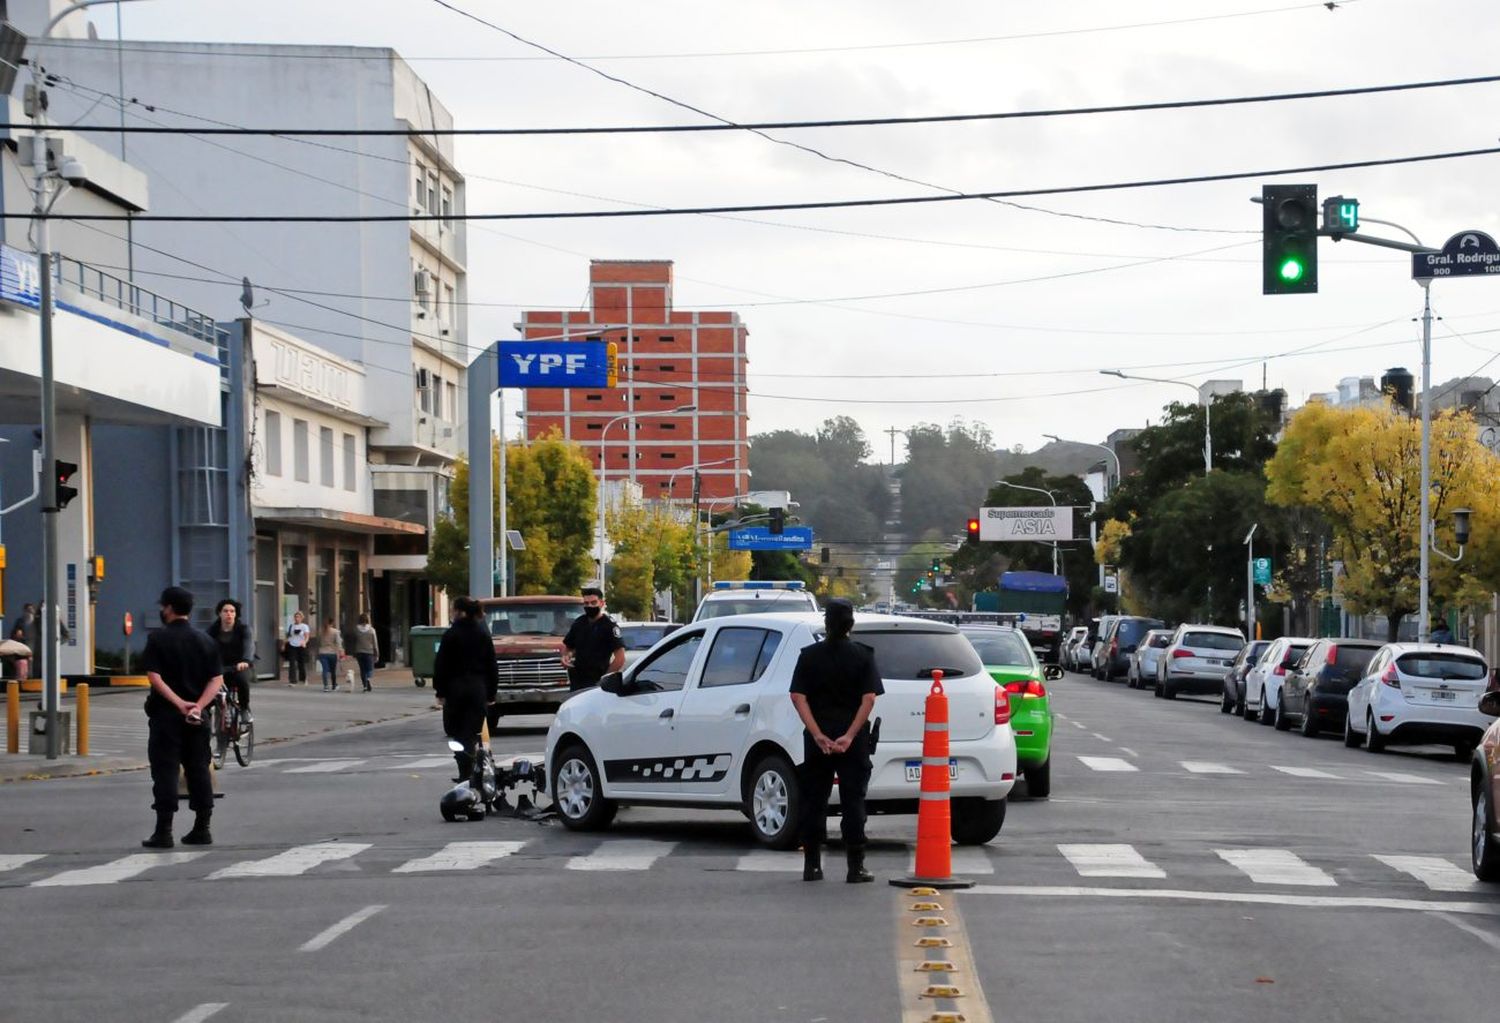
(421, 764)
(1276, 866)
(1402, 778)
(13, 860)
(1206, 767)
(1433, 871)
(325, 767)
(116, 870)
(1108, 860)
(1306, 772)
(768, 861)
(1107, 764)
(460, 856)
(295, 861)
(971, 861)
(628, 854)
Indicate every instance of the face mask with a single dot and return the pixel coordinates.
(593, 612)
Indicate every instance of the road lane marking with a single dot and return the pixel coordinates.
(1404, 779)
(1489, 939)
(1107, 764)
(768, 861)
(627, 854)
(423, 764)
(1207, 767)
(1276, 866)
(1435, 872)
(1101, 738)
(116, 870)
(1128, 751)
(1490, 909)
(201, 1012)
(15, 860)
(460, 856)
(1080, 724)
(344, 926)
(923, 969)
(324, 767)
(1109, 861)
(295, 861)
(1306, 772)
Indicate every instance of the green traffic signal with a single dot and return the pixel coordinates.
(1292, 270)
(1289, 239)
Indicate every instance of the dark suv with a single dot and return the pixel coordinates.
(1316, 691)
(1119, 642)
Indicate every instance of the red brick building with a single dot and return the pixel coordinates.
(667, 359)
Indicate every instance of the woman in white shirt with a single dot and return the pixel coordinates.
(297, 636)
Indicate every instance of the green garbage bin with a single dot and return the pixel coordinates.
(424, 646)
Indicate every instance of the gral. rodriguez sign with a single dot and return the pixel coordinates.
(1026, 523)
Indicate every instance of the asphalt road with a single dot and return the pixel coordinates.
(1190, 866)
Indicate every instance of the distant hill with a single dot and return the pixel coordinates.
(1063, 458)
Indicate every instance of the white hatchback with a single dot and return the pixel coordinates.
(1264, 680)
(705, 719)
(1418, 693)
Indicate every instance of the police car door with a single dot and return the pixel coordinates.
(634, 738)
(722, 708)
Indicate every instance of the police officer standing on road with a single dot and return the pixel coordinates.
(465, 678)
(593, 645)
(183, 666)
(833, 688)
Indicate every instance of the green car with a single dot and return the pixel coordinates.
(1008, 657)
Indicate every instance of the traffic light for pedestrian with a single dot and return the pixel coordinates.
(973, 530)
(61, 474)
(778, 520)
(1289, 239)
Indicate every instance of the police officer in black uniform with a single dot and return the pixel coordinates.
(833, 688)
(465, 678)
(593, 645)
(183, 666)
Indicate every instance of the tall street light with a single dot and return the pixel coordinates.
(1094, 526)
(604, 467)
(1208, 440)
(1035, 490)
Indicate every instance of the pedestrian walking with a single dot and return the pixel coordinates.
(183, 665)
(1440, 632)
(464, 678)
(236, 650)
(298, 634)
(366, 649)
(593, 645)
(834, 687)
(330, 649)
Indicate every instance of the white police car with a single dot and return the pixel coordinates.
(704, 719)
(744, 598)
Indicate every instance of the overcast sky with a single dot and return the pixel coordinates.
(1015, 311)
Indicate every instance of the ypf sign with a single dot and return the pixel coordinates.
(557, 364)
(1046, 524)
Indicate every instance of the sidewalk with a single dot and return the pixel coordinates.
(283, 714)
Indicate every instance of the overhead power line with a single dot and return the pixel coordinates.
(851, 122)
(830, 204)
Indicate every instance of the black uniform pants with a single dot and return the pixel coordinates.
(174, 743)
(816, 774)
(463, 716)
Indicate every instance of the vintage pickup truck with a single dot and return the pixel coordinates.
(528, 634)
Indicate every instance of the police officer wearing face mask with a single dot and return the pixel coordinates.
(593, 646)
(833, 688)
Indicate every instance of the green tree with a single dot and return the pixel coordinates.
(653, 552)
(842, 498)
(946, 474)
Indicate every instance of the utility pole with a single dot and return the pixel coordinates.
(892, 431)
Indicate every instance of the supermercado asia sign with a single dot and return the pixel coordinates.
(1026, 523)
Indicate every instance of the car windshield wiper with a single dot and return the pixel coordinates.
(947, 672)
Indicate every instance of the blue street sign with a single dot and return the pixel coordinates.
(1262, 571)
(759, 538)
(555, 364)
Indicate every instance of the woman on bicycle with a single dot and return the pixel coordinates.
(236, 650)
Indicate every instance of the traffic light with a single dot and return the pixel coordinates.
(61, 473)
(973, 530)
(937, 566)
(1340, 216)
(1289, 239)
(778, 520)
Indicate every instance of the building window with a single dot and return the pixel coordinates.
(437, 396)
(299, 451)
(421, 192)
(667, 456)
(424, 389)
(667, 367)
(593, 397)
(447, 206)
(325, 456)
(350, 450)
(432, 192)
(668, 339)
(452, 397)
(449, 312)
(594, 426)
(668, 396)
(669, 426)
(273, 443)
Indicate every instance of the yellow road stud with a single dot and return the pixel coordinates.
(936, 966)
(942, 991)
(926, 907)
(923, 891)
(931, 942)
(947, 1017)
(929, 921)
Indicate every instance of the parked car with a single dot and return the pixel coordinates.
(1119, 642)
(1196, 660)
(642, 636)
(1484, 791)
(746, 597)
(1263, 681)
(1418, 693)
(1147, 655)
(703, 720)
(1233, 700)
(1315, 694)
(528, 633)
(1090, 659)
(1007, 656)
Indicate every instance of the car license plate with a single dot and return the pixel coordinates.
(1444, 694)
(914, 769)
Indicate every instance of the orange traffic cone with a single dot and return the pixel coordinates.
(934, 868)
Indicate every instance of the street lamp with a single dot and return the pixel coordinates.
(603, 466)
(1036, 490)
(1208, 440)
(672, 479)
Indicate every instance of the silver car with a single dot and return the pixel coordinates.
(1147, 656)
(1196, 660)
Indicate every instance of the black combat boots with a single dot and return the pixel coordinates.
(812, 862)
(200, 834)
(857, 872)
(161, 838)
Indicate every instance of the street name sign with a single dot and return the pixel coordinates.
(760, 538)
(1012, 524)
(557, 363)
(1466, 254)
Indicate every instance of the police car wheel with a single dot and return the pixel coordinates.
(772, 802)
(576, 791)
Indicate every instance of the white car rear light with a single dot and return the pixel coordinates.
(1002, 706)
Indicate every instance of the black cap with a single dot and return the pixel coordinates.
(838, 613)
(177, 598)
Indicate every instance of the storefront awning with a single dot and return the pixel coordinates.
(349, 522)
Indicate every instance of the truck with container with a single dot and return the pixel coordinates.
(1035, 602)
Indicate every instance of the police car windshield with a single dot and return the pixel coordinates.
(532, 619)
(751, 605)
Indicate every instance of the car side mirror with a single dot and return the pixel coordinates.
(614, 682)
(1489, 703)
(1052, 672)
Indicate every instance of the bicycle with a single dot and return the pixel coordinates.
(228, 726)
